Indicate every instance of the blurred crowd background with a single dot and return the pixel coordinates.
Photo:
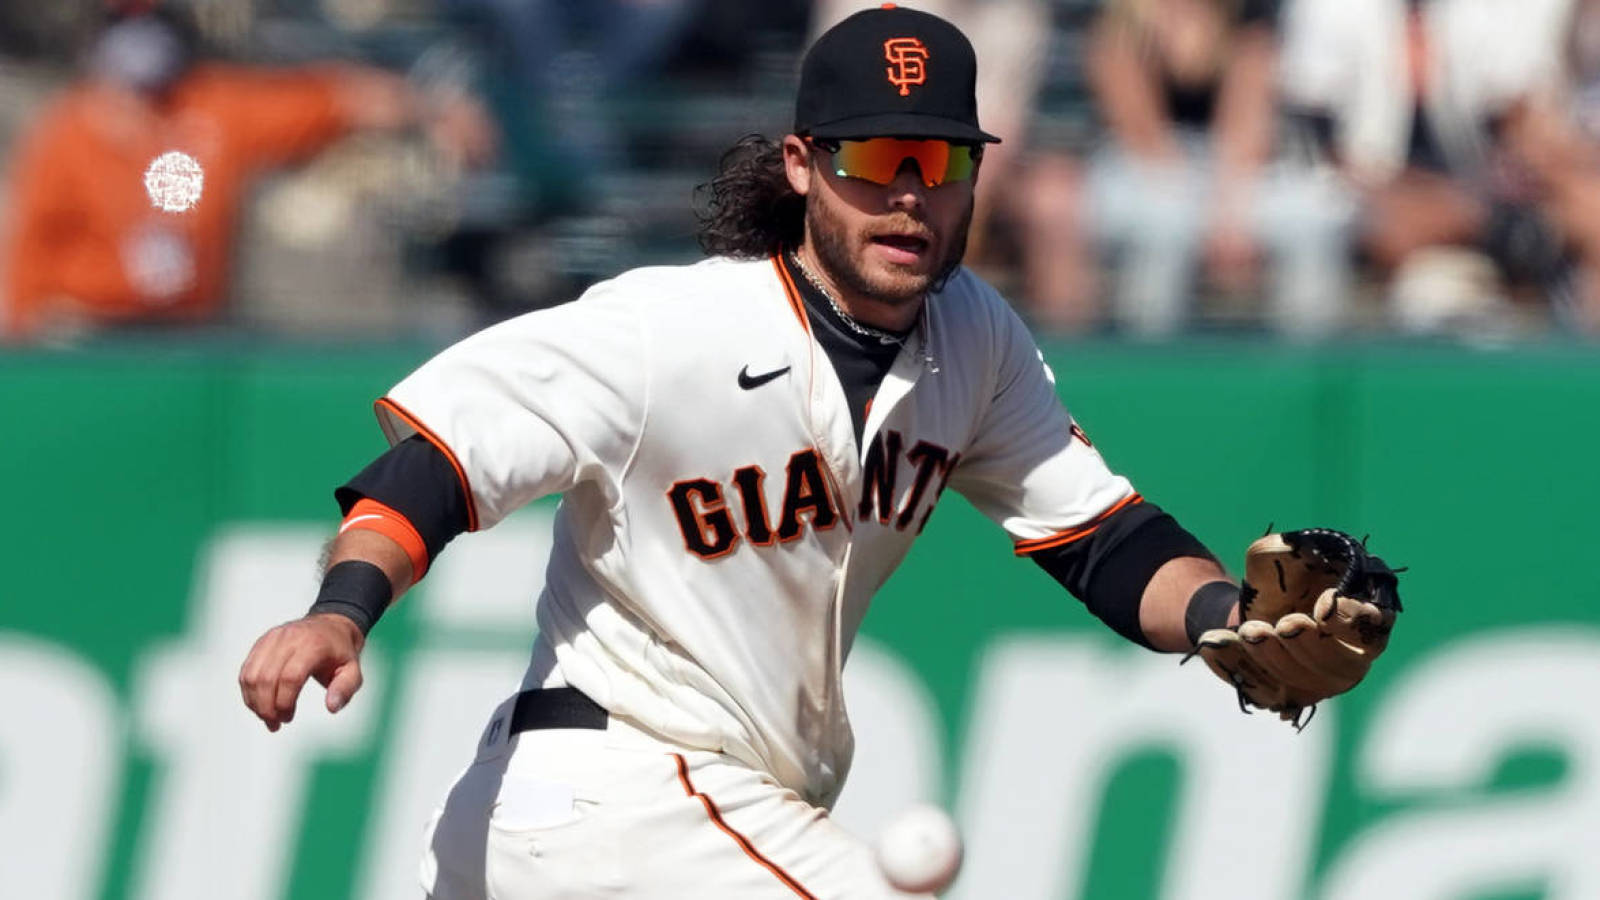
(383, 169)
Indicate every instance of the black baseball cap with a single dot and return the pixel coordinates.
(890, 72)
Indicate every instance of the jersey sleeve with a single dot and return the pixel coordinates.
(1029, 468)
(537, 405)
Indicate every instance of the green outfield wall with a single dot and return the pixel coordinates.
(165, 503)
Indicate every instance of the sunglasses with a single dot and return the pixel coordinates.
(878, 160)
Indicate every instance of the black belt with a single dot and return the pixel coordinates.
(562, 707)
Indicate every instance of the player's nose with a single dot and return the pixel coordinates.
(907, 190)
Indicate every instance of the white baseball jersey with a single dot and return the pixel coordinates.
(721, 532)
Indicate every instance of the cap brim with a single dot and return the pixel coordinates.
(902, 125)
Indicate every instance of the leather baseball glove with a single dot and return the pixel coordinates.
(1316, 610)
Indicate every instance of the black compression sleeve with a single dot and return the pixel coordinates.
(1109, 569)
(414, 479)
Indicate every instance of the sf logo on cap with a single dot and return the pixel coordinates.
(905, 56)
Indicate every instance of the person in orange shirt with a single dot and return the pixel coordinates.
(87, 248)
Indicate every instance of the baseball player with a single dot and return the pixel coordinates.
(746, 448)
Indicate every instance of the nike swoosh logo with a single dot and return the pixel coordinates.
(751, 382)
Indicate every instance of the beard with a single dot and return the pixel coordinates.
(831, 243)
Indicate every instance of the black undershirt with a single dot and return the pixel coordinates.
(861, 361)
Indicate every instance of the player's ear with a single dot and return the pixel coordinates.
(797, 163)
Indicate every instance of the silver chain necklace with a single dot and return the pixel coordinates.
(878, 334)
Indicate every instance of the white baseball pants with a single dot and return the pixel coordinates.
(573, 813)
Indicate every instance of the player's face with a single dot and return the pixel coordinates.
(885, 243)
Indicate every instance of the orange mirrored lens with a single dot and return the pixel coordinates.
(879, 160)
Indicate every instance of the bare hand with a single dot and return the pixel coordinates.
(1231, 257)
(1419, 210)
(462, 132)
(324, 646)
(373, 98)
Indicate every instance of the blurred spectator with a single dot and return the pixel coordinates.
(1186, 186)
(570, 61)
(1442, 114)
(1561, 141)
(85, 248)
(576, 89)
(1583, 69)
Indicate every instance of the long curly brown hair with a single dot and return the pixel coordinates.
(748, 210)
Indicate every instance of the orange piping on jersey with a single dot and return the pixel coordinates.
(370, 515)
(405, 416)
(796, 305)
(1062, 538)
(741, 840)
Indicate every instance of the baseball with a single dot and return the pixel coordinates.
(173, 181)
(920, 850)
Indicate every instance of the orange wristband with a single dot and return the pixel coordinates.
(374, 516)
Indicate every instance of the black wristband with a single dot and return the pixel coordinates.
(355, 589)
(1208, 608)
